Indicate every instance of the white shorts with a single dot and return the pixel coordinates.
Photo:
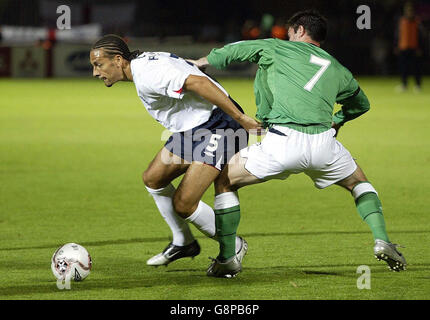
(320, 156)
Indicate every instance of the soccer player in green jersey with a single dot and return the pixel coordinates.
(296, 87)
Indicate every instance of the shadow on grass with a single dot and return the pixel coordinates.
(305, 269)
(246, 235)
(148, 285)
(94, 243)
(89, 285)
(182, 278)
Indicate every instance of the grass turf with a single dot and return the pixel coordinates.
(71, 157)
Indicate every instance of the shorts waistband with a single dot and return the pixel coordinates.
(284, 131)
(309, 129)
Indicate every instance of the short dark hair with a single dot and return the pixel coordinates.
(113, 44)
(314, 23)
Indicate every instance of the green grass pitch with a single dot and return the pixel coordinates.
(71, 157)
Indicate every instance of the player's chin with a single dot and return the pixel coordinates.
(108, 83)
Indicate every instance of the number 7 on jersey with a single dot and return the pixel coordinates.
(324, 63)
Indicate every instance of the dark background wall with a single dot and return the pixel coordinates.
(363, 51)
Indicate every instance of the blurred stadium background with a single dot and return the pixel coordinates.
(32, 46)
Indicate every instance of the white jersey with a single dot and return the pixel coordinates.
(159, 78)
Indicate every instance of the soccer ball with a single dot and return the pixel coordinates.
(71, 261)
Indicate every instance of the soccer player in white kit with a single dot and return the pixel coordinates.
(208, 129)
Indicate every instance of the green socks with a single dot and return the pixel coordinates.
(226, 222)
(227, 217)
(370, 209)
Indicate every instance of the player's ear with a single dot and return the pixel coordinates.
(301, 30)
(118, 60)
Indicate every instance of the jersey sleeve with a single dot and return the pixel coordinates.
(347, 87)
(249, 50)
(353, 100)
(352, 107)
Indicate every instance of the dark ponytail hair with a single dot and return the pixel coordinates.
(113, 45)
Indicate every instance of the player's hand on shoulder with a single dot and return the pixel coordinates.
(201, 63)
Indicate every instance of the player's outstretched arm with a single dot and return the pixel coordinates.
(202, 63)
(240, 51)
(206, 89)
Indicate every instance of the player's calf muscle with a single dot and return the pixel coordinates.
(224, 188)
(233, 177)
(196, 181)
(222, 183)
(350, 182)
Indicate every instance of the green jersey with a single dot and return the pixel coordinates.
(297, 83)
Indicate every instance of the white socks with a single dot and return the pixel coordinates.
(163, 199)
(203, 218)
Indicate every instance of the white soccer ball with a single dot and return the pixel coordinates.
(71, 261)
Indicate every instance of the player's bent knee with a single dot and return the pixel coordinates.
(361, 189)
(147, 179)
(152, 180)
